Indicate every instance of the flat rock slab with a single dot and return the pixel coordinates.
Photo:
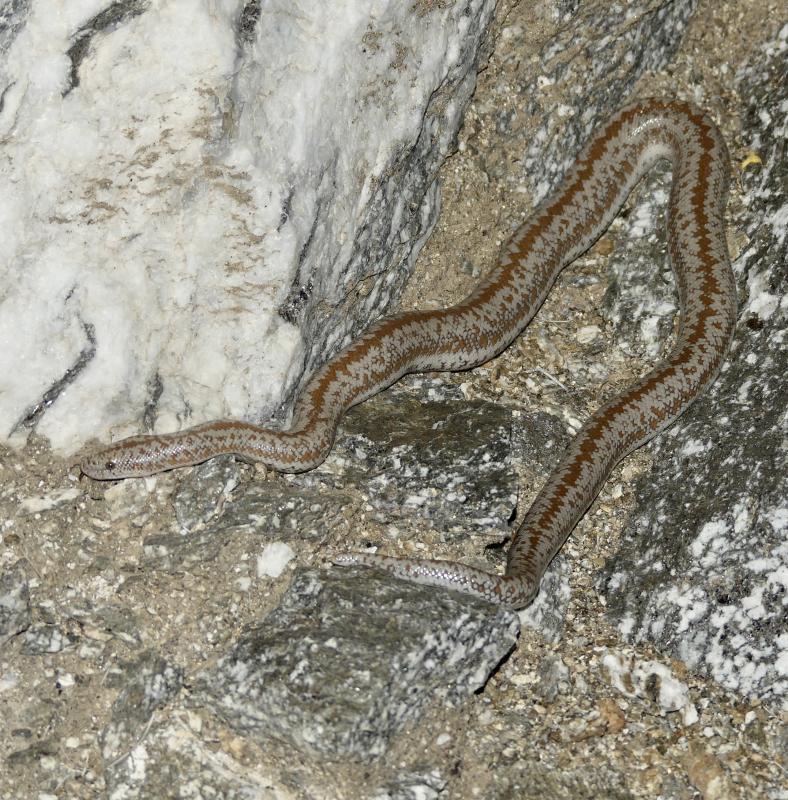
(423, 449)
(283, 509)
(349, 657)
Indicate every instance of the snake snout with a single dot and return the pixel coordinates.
(124, 459)
(100, 468)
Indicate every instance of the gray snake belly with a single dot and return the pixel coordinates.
(465, 335)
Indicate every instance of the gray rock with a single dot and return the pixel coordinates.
(599, 70)
(547, 613)
(173, 552)
(15, 614)
(553, 678)
(283, 508)
(12, 17)
(201, 499)
(107, 622)
(149, 684)
(641, 300)
(277, 507)
(539, 440)
(703, 570)
(421, 449)
(349, 656)
(172, 761)
(412, 785)
(46, 638)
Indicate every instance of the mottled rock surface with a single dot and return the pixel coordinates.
(424, 448)
(14, 603)
(703, 569)
(342, 664)
(427, 785)
(597, 69)
(149, 683)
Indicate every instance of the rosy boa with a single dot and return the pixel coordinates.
(467, 334)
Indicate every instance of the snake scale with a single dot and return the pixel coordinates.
(471, 332)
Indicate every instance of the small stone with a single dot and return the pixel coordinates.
(612, 715)
(587, 334)
(44, 638)
(706, 773)
(274, 559)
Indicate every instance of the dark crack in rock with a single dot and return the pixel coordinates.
(422, 449)
(349, 656)
(106, 20)
(15, 615)
(247, 24)
(702, 574)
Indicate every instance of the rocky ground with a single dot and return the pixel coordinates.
(139, 609)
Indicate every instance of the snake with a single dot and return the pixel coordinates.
(562, 227)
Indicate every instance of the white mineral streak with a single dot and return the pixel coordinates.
(158, 211)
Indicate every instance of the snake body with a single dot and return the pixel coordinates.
(465, 335)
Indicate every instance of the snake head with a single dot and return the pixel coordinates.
(99, 468)
(134, 457)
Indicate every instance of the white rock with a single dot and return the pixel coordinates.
(587, 334)
(652, 680)
(186, 226)
(273, 560)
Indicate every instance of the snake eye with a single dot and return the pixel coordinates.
(109, 466)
